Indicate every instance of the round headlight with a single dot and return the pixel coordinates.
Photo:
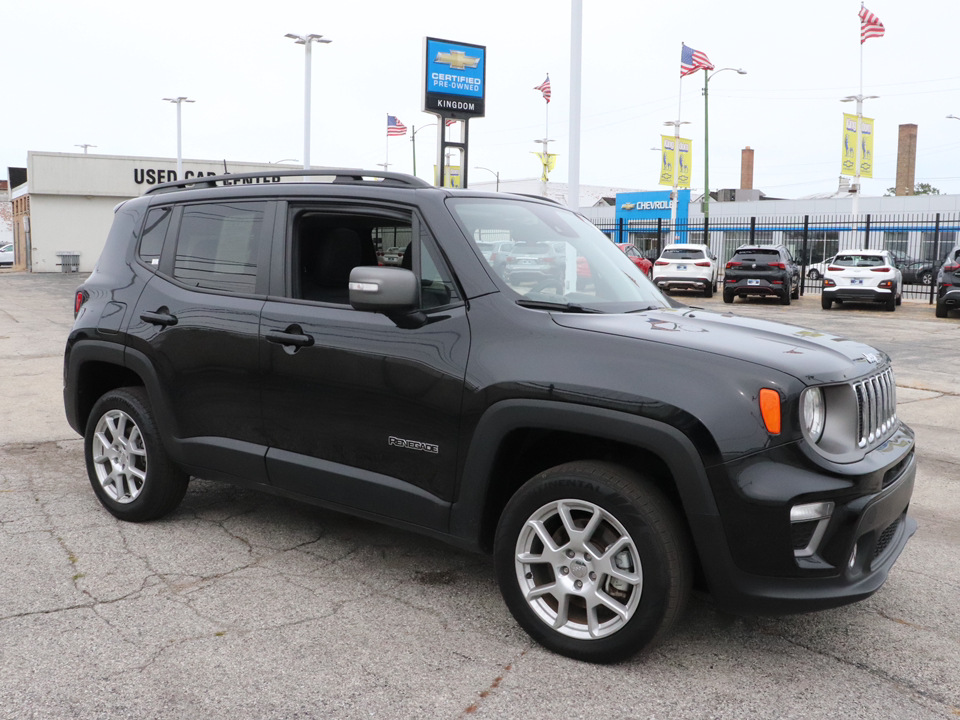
(812, 413)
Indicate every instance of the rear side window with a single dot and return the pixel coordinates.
(155, 230)
(218, 244)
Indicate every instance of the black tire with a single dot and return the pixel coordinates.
(728, 296)
(796, 292)
(814, 274)
(708, 291)
(634, 520)
(825, 302)
(131, 473)
(890, 305)
(787, 293)
(899, 299)
(941, 310)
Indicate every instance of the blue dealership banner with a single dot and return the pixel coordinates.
(635, 206)
(454, 78)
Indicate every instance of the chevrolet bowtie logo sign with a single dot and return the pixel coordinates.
(457, 60)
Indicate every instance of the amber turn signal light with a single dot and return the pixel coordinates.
(770, 410)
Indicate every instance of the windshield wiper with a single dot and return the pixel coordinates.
(563, 307)
(645, 309)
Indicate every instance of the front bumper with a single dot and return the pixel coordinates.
(756, 570)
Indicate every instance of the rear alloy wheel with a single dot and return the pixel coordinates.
(128, 467)
(593, 561)
(825, 302)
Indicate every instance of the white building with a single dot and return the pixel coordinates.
(66, 204)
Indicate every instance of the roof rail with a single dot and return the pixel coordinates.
(537, 197)
(349, 176)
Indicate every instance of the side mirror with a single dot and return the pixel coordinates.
(383, 289)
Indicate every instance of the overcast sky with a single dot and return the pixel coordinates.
(95, 72)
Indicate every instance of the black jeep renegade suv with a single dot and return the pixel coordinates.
(606, 444)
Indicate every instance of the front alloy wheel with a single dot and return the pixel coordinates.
(579, 569)
(593, 561)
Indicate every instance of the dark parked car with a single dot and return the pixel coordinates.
(764, 270)
(948, 283)
(918, 272)
(608, 446)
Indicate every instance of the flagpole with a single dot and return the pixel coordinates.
(676, 173)
(856, 155)
(546, 148)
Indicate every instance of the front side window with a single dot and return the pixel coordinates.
(554, 255)
(218, 245)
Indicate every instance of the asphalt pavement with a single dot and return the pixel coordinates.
(241, 605)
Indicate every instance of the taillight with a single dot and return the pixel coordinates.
(511, 258)
(886, 284)
(78, 301)
(549, 259)
(733, 264)
(780, 266)
(827, 282)
(834, 269)
(951, 268)
(702, 264)
(661, 262)
(881, 269)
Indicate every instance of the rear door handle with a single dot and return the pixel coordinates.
(296, 339)
(163, 319)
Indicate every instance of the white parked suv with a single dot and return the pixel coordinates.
(686, 266)
(862, 276)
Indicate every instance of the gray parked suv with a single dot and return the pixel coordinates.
(948, 283)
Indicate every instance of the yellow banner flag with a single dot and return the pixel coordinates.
(549, 162)
(849, 165)
(684, 164)
(668, 148)
(675, 154)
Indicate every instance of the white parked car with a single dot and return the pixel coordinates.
(686, 266)
(6, 254)
(816, 270)
(862, 276)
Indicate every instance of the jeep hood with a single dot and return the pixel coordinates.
(809, 355)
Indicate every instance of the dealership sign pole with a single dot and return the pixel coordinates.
(454, 88)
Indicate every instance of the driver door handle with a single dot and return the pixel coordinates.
(163, 319)
(289, 338)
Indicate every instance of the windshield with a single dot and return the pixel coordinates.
(557, 256)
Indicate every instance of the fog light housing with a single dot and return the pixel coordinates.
(819, 512)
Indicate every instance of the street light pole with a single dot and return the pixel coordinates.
(307, 41)
(706, 139)
(179, 101)
(413, 139)
(496, 174)
(953, 116)
(87, 145)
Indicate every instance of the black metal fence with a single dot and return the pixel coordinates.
(918, 242)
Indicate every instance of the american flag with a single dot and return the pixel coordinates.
(395, 127)
(450, 121)
(544, 87)
(870, 25)
(692, 60)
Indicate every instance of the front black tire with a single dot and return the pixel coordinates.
(814, 275)
(131, 473)
(593, 561)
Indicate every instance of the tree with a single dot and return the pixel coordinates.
(918, 189)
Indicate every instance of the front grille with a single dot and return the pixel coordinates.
(885, 537)
(877, 408)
